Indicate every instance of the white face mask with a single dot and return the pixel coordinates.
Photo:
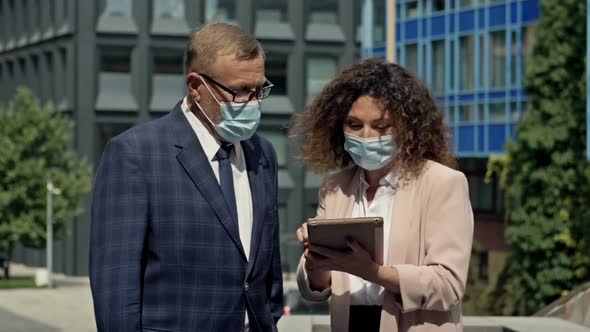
(239, 121)
(370, 153)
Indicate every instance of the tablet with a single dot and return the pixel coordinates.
(332, 233)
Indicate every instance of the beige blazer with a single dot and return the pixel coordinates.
(429, 245)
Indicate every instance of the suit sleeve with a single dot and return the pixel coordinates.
(275, 277)
(439, 284)
(118, 230)
(302, 278)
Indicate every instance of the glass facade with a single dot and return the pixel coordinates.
(322, 11)
(472, 54)
(167, 9)
(271, 11)
(220, 11)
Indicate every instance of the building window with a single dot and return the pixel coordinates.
(480, 69)
(115, 63)
(169, 9)
(106, 131)
(466, 3)
(220, 11)
(279, 141)
(320, 70)
(118, 8)
(271, 11)
(276, 72)
(380, 15)
(451, 60)
(481, 113)
(513, 57)
(438, 5)
(24, 16)
(323, 11)
(466, 113)
(412, 58)
(466, 56)
(412, 9)
(498, 112)
(168, 65)
(438, 65)
(451, 115)
(498, 59)
(481, 193)
(528, 36)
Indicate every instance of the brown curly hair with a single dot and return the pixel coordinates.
(420, 131)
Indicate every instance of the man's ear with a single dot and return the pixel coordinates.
(193, 81)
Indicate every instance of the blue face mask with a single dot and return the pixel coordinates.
(238, 120)
(370, 153)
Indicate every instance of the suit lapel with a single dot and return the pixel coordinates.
(254, 164)
(194, 161)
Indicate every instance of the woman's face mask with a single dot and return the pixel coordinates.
(370, 153)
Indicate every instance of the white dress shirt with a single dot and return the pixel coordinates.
(363, 292)
(211, 145)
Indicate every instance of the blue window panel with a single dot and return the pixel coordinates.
(452, 23)
(522, 94)
(467, 20)
(466, 138)
(497, 94)
(497, 137)
(379, 49)
(469, 97)
(513, 131)
(513, 94)
(424, 28)
(497, 15)
(412, 29)
(480, 138)
(437, 27)
(398, 31)
(451, 99)
(482, 18)
(513, 12)
(481, 95)
(530, 10)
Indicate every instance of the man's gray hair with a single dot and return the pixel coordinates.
(209, 41)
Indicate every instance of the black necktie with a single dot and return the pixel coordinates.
(226, 180)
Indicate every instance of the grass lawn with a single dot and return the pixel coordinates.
(17, 283)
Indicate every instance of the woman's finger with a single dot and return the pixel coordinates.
(356, 247)
(300, 237)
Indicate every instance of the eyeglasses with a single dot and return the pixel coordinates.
(244, 96)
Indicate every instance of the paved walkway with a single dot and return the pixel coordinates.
(68, 307)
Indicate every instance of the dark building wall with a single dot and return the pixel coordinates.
(111, 64)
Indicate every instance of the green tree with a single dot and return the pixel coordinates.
(35, 147)
(544, 172)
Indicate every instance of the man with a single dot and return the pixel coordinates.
(184, 219)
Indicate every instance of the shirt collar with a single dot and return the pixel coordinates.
(390, 180)
(209, 142)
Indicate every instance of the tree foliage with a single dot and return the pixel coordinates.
(545, 172)
(35, 143)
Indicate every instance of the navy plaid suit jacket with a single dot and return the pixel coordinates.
(164, 253)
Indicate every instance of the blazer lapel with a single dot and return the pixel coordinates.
(194, 161)
(254, 164)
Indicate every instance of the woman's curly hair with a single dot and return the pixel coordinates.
(419, 128)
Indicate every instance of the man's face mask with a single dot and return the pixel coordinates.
(239, 121)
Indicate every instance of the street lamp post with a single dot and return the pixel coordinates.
(51, 190)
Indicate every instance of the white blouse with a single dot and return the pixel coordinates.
(363, 292)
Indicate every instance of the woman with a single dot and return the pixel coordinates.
(379, 128)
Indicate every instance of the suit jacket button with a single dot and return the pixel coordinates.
(246, 287)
